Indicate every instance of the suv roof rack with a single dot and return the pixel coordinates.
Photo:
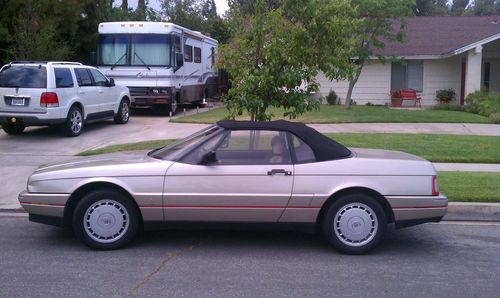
(44, 62)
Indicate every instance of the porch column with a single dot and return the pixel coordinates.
(473, 70)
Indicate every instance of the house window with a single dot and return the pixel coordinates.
(188, 53)
(409, 75)
(197, 55)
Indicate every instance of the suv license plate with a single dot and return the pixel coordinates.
(17, 102)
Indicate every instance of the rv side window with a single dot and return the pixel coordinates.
(197, 55)
(188, 53)
(212, 55)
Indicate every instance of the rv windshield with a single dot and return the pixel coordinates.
(134, 49)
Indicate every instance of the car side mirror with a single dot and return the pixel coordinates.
(179, 61)
(209, 158)
(111, 82)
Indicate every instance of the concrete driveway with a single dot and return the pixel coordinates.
(21, 155)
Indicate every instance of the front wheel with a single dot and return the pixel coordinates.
(13, 129)
(354, 224)
(123, 112)
(106, 219)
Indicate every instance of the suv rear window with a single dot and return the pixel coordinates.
(63, 78)
(24, 77)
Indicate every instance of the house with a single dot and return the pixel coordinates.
(462, 53)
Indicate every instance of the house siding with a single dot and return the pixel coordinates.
(441, 74)
(373, 85)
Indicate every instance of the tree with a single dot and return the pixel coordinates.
(265, 66)
(484, 7)
(424, 8)
(380, 21)
(458, 7)
(273, 57)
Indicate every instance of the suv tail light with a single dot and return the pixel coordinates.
(435, 186)
(49, 99)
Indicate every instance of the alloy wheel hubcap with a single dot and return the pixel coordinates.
(173, 106)
(355, 224)
(106, 221)
(76, 122)
(125, 111)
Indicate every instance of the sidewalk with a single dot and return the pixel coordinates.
(414, 128)
(467, 167)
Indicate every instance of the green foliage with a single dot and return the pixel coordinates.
(484, 103)
(445, 95)
(269, 66)
(332, 97)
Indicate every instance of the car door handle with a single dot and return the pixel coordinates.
(279, 171)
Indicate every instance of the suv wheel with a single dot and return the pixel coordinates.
(13, 129)
(74, 122)
(123, 112)
(173, 106)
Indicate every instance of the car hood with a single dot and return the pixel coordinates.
(109, 165)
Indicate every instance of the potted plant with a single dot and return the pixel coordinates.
(396, 98)
(445, 95)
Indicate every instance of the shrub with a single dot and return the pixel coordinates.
(483, 103)
(495, 118)
(445, 95)
(332, 98)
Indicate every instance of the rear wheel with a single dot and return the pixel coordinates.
(172, 108)
(74, 122)
(105, 219)
(123, 112)
(13, 129)
(354, 223)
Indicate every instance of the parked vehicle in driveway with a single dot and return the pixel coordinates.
(278, 173)
(66, 94)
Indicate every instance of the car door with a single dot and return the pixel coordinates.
(106, 94)
(249, 180)
(87, 91)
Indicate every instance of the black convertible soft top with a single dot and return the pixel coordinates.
(323, 147)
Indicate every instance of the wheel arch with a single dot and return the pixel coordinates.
(82, 190)
(358, 189)
(80, 106)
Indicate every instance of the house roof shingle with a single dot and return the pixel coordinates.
(442, 35)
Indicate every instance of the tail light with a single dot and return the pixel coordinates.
(49, 99)
(435, 186)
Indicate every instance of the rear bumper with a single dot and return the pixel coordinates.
(28, 119)
(150, 101)
(414, 210)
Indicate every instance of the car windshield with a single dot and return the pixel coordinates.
(178, 149)
(134, 49)
(24, 77)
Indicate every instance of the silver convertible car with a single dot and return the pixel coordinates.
(278, 173)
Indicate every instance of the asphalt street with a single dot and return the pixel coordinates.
(450, 259)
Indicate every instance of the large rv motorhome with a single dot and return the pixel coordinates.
(163, 64)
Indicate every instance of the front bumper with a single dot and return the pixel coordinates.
(413, 210)
(43, 204)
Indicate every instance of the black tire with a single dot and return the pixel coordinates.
(123, 113)
(117, 224)
(13, 129)
(173, 106)
(73, 125)
(354, 224)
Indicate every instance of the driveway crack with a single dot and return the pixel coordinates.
(166, 259)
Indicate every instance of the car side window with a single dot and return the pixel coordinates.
(63, 78)
(99, 79)
(303, 153)
(253, 147)
(83, 77)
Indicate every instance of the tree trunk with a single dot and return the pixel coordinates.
(125, 5)
(352, 82)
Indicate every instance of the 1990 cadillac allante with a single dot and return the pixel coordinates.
(240, 172)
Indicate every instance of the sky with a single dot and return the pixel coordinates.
(155, 4)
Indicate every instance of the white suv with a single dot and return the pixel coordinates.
(65, 94)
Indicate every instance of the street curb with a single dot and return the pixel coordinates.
(457, 211)
(461, 211)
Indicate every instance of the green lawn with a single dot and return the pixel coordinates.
(436, 148)
(361, 114)
(470, 186)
